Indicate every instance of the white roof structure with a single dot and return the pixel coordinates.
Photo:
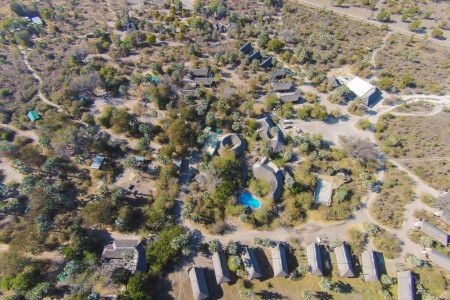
(360, 87)
(36, 20)
(406, 286)
(369, 266)
(323, 191)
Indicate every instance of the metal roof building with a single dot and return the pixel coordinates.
(221, 268)
(280, 267)
(433, 232)
(198, 283)
(344, 262)
(439, 258)
(314, 258)
(369, 266)
(406, 286)
(33, 116)
(362, 89)
(200, 73)
(251, 263)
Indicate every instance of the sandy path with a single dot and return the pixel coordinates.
(29, 133)
(38, 78)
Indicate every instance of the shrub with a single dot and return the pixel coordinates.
(357, 240)
(389, 244)
(364, 124)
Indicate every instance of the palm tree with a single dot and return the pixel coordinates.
(307, 294)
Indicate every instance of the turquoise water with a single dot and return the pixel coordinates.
(248, 200)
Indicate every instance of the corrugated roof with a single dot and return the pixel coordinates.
(247, 48)
(359, 87)
(369, 265)
(406, 286)
(221, 268)
(439, 259)
(344, 262)
(198, 283)
(280, 267)
(251, 263)
(204, 81)
(283, 86)
(289, 97)
(126, 243)
(435, 233)
(277, 73)
(200, 72)
(314, 258)
(33, 115)
(256, 55)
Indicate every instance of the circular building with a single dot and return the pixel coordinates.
(233, 142)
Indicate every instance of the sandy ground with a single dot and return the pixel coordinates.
(11, 174)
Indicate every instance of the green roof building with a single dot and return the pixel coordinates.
(33, 115)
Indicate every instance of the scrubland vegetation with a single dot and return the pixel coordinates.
(396, 192)
(401, 62)
(421, 137)
(116, 83)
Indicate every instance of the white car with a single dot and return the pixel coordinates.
(297, 130)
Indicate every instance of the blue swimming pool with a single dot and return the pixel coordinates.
(248, 200)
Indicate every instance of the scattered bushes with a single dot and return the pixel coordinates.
(396, 192)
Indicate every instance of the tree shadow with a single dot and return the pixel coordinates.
(441, 38)
(357, 267)
(163, 287)
(265, 294)
(381, 264)
(264, 264)
(215, 290)
(323, 296)
(291, 260)
(326, 261)
(332, 120)
(344, 287)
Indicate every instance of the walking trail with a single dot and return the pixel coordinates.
(38, 78)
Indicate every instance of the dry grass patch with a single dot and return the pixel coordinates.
(396, 192)
(425, 138)
(424, 62)
(415, 107)
(435, 173)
